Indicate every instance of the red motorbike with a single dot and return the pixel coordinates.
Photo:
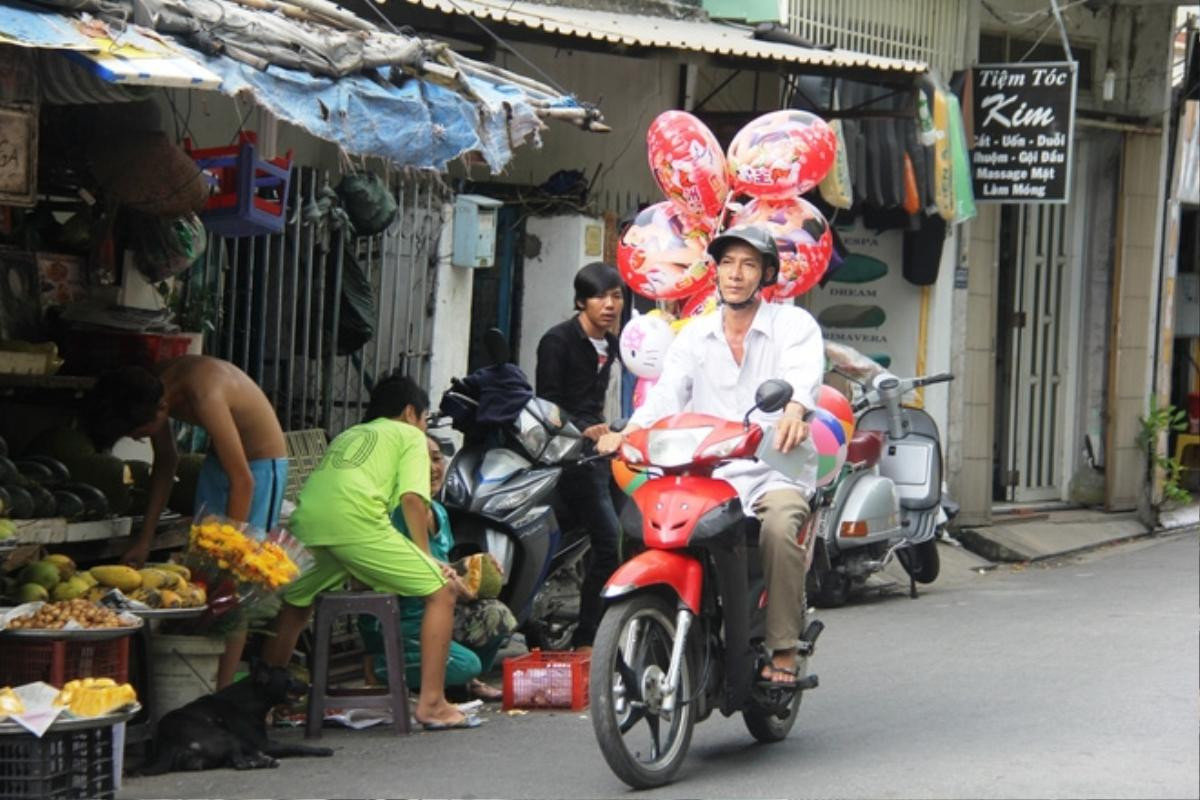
(683, 626)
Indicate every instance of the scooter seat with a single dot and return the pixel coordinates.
(865, 446)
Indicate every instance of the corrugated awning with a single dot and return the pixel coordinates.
(641, 30)
(140, 58)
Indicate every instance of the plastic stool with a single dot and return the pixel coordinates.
(331, 606)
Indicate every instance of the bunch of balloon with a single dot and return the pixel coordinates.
(771, 162)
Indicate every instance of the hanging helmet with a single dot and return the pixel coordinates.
(757, 237)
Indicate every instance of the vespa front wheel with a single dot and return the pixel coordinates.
(643, 731)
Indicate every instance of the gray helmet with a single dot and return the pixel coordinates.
(757, 237)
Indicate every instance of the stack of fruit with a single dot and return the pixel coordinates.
(62, 475)
(56, 578)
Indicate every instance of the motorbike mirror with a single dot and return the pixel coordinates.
(773, 395)
(496, 344)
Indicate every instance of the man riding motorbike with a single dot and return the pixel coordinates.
(713, 367)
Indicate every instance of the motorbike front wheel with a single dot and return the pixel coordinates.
(643, 741)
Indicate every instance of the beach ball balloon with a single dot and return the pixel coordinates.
(781, 154)
(833, 401)
(662, 255)
(644, 342)
(831, 442)
(688, 164)
(628, 480)
(803, 237)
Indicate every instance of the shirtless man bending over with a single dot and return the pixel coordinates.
(245, 472)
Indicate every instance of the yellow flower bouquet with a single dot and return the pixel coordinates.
(240, 566)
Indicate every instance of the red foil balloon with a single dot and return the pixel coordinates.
(688, 165)
(663, 258)
(781, 155)
(804, 240)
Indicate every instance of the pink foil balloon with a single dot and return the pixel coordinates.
(804, 240)
(781, 155)
(688, 165)
(662, 257)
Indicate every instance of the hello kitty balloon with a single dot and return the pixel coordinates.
(644, 342)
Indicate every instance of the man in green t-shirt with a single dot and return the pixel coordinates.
(343, 517)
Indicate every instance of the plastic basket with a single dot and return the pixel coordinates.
(546, 680)
(69, 764)
(98, 350)
(57, 661)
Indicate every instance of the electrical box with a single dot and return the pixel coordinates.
(475, 230)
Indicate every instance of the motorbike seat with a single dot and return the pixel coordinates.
(865, 446)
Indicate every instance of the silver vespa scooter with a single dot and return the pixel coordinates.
(888, 502)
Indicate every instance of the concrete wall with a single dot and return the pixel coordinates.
(1134, 314)
(972, 407)
(453, 290)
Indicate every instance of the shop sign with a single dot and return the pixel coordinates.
(1024, 120)
(18, 156)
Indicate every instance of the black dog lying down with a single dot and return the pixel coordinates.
(229, 728)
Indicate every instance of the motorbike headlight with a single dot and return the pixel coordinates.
(674, 448)
(531, 434)
(455, 489)
(723, 448)
(561, 448)
(518, 496)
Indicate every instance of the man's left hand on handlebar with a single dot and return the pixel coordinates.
(791, 429)
(610, 442)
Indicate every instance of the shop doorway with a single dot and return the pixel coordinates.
(1036, 350)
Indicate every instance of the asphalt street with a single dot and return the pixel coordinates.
(1070, 679)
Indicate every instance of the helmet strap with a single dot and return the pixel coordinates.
(741, 304)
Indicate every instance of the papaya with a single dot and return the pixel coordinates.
(151, 597)
(153, 578)
(117, 576)
(170, 599)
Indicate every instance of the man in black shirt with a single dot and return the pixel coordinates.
(574, 360)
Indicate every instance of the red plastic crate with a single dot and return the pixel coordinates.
(549, 679)
(57, 661)
(99, 350)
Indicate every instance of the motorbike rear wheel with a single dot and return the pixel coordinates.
(767, 726)
(826, 587)
(921, 561)
(643, 743)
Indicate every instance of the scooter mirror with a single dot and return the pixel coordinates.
(496, 345)
(773, 395)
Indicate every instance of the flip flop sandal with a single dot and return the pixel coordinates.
(468, 721)
(484, 691)
(770, 683)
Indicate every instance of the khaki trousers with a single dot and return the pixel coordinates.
(785, 558)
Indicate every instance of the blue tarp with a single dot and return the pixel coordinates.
(417, 124)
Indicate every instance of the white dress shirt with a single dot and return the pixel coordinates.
(700, 375)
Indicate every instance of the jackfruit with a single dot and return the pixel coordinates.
(92, 697)
(118, 577)
(10, 704)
